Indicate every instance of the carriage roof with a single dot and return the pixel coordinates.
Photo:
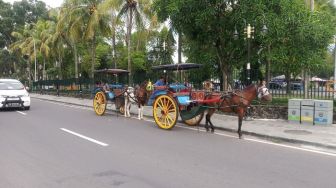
(111, 71)
(177, 67)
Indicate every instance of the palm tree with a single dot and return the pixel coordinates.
(18, 45)
(85, 18)
(132, 9)
(45, 31)
(26, 43)
(64, 34)
(111, 8)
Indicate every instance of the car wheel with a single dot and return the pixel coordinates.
(27, 108)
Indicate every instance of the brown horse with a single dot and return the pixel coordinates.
(236, 102)
(142, 95)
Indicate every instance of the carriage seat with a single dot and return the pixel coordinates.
(116, 86)
(160, 87)
(179, 87)
(117, 92)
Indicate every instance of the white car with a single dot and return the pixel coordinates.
(13, 94)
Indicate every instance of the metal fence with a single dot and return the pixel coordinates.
(292, 89)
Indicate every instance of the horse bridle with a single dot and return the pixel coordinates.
(259, 90)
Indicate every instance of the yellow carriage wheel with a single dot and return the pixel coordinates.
(99, 103)
(195, 120)
(165, 112)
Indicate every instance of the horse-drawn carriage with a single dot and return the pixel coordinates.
(179, 98)
(176, 99)
(105, 90)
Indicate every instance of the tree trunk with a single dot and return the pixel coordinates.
(129, 35)
(268, 65)
(179, 48)
(306, 83)
(60, 65)
(306, 71)
(76, 59)
(113, 22)
(288, 82)
(224, 68)
(114, 49)
(29, 73)
(93, 52)
(44, 71)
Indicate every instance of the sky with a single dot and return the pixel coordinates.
(51, 3)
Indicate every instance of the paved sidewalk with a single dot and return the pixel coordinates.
(318, 137)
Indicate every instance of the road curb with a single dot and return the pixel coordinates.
(277, 139)
(270, 138)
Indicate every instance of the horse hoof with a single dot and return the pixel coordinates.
(212, 130)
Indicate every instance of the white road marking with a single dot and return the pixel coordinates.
(226, 135)
(291, 147)
(84, 137)
(261, 141)
(21, 113)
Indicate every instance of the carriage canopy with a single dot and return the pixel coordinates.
(177, 67)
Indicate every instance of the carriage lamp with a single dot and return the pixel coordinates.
(249, 31)
(57, 86)
(80, 85)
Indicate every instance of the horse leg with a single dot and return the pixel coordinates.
(125, 107)
(129, 109)
(139, 111)
(211, 112)
(206, 126)
(240, 121)
(141, 116)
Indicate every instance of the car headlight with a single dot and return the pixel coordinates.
(24, 95)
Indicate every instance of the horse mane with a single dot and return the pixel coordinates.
(143, 84)
(250, 86)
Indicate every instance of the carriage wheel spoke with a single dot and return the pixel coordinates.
(171, 120)
(170, 105)
(165, 103)
(165, 121)
(160, 105)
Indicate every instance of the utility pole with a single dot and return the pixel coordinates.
(306, 71)
(35, 78)
(334, 89)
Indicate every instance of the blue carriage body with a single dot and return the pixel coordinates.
(175, 88)
(110, 95)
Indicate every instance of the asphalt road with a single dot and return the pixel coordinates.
(58, 145)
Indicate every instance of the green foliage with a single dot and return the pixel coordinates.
(102, 56)
(297, 38)
(139, 61)
(80, 29)
(6, 24)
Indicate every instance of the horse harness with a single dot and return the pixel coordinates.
(229, 95)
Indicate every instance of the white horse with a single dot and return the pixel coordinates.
(129, 98)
